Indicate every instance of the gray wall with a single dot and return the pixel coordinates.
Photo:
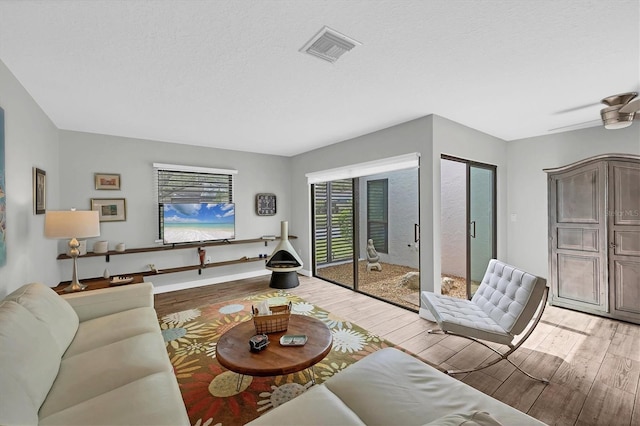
(31, 140)
(412, 136)
(71, 158)
(431, 136)
(527, 188)
(463, 142)
(83, 154)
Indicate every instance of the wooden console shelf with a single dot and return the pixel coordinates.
(139, 275)
(172, 247)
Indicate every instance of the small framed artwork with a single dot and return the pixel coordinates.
(110, 209)
(266, 204)
(39, 191)
(107, 181)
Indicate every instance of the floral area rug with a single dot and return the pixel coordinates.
(210, 391)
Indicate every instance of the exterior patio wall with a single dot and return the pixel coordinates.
(453, 219)
(403, 214)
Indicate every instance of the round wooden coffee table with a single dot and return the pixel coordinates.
(232, 350)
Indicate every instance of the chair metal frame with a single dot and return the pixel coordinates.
(512, 347)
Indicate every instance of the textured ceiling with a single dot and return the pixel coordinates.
(229, 74)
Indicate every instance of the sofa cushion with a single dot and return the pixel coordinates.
(477, 418)
(112, 328)
(392, 387)
(29, 354)
(53, 311)
(505, 294)
(150, 400)
(461, 315)
(317, 406)
(16, 408)
(92, 373)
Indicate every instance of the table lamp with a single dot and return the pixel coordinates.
(72, 224)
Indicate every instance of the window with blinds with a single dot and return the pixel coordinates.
(191, 185)
(194, 187)
(378, 214)
(333, 221)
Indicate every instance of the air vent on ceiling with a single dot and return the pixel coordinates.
(329, 45)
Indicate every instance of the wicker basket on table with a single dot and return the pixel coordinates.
(277, 321)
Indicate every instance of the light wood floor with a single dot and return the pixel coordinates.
(593, 363)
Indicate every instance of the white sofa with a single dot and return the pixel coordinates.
(90, 358)
(390, 387)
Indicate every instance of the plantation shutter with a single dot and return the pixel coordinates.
(321, 223)
(194, 185)
(333, 221)
(378, 214)
(341, 196)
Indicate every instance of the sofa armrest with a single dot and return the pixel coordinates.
(106, 301)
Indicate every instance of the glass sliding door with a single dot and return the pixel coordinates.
(334, 231)
(389, 217)
(482, 230)
(366, 230)
(468, 224)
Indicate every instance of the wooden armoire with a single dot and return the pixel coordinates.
(594, 236)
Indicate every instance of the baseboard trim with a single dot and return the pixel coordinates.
(208, 281)
(305, 272)
(426, 314)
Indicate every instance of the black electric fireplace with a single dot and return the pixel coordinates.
(284, 263)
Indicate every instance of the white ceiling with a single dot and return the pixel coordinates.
(229, 74)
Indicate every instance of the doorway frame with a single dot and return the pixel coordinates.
(494, 205)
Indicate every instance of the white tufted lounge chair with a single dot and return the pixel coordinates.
(507, 301)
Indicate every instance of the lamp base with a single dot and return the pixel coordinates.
(75, 286)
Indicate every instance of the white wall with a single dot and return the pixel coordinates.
(31, 140)
(83, 154)
(412, 136)
(431, 136)
(463, 142)
(453, 219)
(527, 184)
(403, 214)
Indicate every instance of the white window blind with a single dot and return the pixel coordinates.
(191, 185)
(187, 184)
(400, 162)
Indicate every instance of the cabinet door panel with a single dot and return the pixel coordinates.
(624, 234)
(577, 197)
(626, 194)
(627, 290)
(577, 226)
(578, 279)
(578, 239)
(627, 243)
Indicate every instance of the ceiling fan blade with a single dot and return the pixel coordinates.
(577, 108)
(576, 126)
(631, 106)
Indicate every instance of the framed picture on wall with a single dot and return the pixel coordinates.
(107, 181)
(39, 191)
(110, 209)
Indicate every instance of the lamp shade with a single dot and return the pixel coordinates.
(71, 224)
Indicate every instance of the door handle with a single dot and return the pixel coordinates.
(416, 232)
(473, 225)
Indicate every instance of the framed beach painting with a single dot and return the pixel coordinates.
(110, 209)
